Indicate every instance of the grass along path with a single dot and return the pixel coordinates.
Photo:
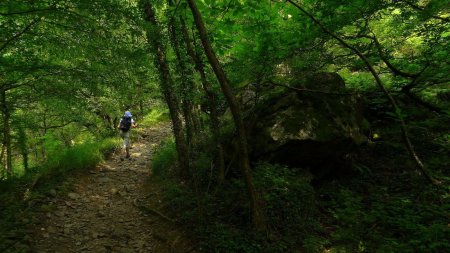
(106, 211)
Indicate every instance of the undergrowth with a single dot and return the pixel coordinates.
(219, 214)
(156, 115)
(164, 158)
(382, 207)
(382, 220)
(85, 155)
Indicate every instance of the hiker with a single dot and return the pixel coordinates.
(125, 124)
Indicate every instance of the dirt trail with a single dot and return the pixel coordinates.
(102, 213)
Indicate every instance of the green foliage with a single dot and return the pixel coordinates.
(390, 222)
(289, 198)
(204, 168)
(156, 115)
(221, 216)
(215, 217)
(80, 156)
(223, 238)
(164, 158)
(108, 145)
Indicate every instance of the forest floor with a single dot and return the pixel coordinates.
(113, 208)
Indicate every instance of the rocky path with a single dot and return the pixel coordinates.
(102, 213)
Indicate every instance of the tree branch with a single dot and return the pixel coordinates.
(19, 82)
(383, 57)
(307, 90)
(28, 27)
(415, 77)
(27, 11)
(421, 9)
(69, 27)
(380, 84)
(58, 126)
(17, 35)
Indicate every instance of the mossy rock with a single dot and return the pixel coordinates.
(308, 129)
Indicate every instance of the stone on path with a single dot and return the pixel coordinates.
(104, 180)
(113, 191)
(73, 195)
(52, 193)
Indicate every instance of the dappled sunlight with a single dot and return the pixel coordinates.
(105, 167)
(136, 154)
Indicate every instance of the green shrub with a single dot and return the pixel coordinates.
(289, 205)
(390, 222)
(156, 115)
(109, 145)
(202, 167)
(226, 238)
(289, 197)
(164, 158)
(81, 156)
(77, 157)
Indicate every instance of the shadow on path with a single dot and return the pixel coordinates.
(102, 214)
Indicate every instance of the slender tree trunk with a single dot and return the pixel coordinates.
(22, 141)
(7, 134)
(380, 84)
(154, 36)
(255, 208)
(44, 132)
(186, 82)
(2, 163)
(196, 112)
(212, 100)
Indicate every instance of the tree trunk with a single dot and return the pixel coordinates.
(7, 135)
(186, 83)
(212, 100)
(380, 84)
(2, 163)
(154, 36)
(255, 208)
(22, 142)
(43, 150)
(407, 90)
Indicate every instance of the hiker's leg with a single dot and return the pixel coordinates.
(122, 135)
(130, 145)
(127, 143)
(124, 145)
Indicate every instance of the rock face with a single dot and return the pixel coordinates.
(308, 129)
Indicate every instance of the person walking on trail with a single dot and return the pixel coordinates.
(125, 124)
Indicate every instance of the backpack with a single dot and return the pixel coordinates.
(125, 124)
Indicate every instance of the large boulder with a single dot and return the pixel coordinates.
(316, 126)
